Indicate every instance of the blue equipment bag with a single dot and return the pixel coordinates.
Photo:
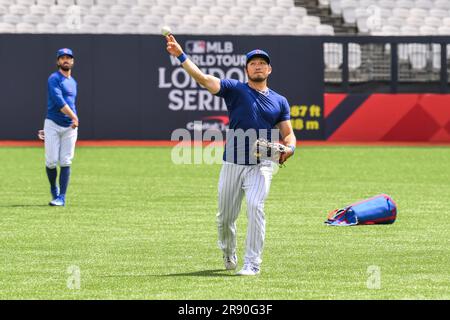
(380, 209)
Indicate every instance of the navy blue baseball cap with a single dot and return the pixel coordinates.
(258, 53)
(64, 52)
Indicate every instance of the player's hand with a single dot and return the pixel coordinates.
(74, 124)
(173, 47)
(286, 155)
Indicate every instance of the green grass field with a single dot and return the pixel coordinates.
(139, 227)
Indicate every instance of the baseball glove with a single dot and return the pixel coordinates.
(41, 135)
(266, 150)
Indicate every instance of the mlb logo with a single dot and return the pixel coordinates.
(198, 46)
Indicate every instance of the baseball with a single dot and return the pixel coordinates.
(165, 30)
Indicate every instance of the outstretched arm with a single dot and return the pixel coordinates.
(211, 83)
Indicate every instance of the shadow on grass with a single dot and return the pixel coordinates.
(24, 206)
(202, 273)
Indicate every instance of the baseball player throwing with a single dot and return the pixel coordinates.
(251, 106)
(60, 126)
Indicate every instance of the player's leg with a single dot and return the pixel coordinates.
(230, 200)
(51, 145)
(66, 154)
(256, 185)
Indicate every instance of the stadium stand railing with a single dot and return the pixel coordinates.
(350, 62)
(391, 63)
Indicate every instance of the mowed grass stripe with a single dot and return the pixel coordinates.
(140, 227)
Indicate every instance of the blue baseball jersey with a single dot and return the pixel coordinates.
(61, 91)
(249, 109)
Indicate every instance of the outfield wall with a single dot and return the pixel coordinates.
(129, 88)
(387, 117)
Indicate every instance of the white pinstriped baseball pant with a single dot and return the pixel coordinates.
(59, 144)
(235, 181)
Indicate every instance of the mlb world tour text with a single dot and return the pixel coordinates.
(214, 58)
(225, 310)
(218, 58)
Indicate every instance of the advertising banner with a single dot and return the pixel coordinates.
(178, 102)
(388, 117)
(129, 87)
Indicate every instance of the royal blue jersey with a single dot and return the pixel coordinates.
(249, 109)
(61, 91)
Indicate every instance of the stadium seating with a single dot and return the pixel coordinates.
(376, 17)
(147, 17)
(235, 17)
(392, 18)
